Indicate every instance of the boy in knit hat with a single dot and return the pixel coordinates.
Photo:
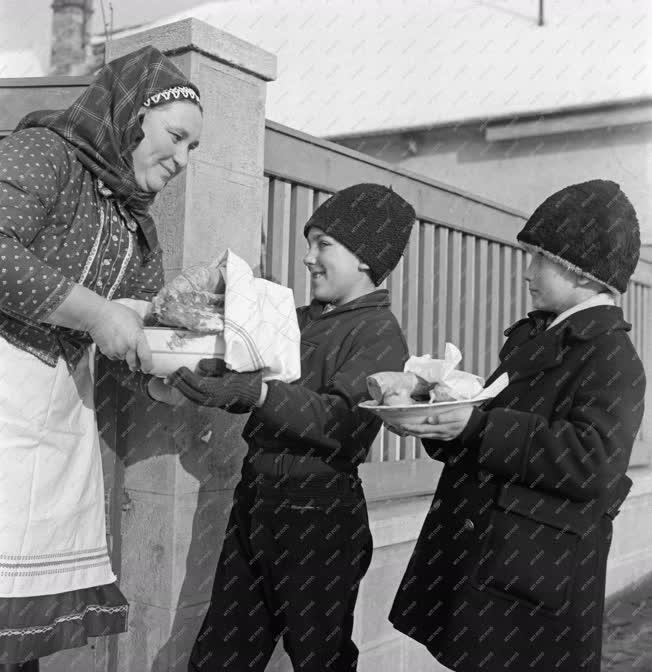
(298, 542)
(509, 568)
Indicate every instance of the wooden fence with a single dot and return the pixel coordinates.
(460, 280)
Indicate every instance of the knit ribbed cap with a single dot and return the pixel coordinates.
(370, 220)
(590, 228)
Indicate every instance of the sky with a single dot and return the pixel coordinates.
(129, 13)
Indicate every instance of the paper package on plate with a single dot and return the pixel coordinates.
(426, 380)
(446, 382)
(257, 318)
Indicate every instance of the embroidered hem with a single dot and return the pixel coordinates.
(34, 627)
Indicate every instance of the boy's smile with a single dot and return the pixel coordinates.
(337, 276)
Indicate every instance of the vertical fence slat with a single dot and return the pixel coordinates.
(494, 322)
(395, 288)
(518, 285)
(482, 288)
(376, 450)
(278, 231)
(427, 299)
(468, 326)
(410, 290)
(396, 445)
(301, 208)
(441, 274)
(506, 301)
(454, 288)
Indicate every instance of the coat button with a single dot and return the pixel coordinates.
(468, 524)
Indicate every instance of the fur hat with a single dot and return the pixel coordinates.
(590, 228)
(370, 220)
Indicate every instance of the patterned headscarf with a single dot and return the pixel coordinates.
(104, 127)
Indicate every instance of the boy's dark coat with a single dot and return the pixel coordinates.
(318, 415)
(509, 569)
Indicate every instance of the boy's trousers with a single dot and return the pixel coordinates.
(294, 553)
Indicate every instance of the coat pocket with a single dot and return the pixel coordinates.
(532, 546)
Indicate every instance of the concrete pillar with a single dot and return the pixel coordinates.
(180, 466)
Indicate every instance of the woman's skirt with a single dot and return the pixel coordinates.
(33, 627)
(56, 583)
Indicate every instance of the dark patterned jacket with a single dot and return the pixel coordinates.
(60, 226)
(509, 569)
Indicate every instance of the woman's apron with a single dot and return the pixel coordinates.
(52, 527)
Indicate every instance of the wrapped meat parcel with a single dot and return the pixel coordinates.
(393, 388)
(425, 380)
(255, 320)
(193, 300)
(446, 382)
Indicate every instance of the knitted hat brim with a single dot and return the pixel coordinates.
(534, 249)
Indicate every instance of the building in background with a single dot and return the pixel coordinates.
(475, 94)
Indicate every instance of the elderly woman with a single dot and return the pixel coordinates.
(75, 238)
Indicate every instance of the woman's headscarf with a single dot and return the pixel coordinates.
(104, 127)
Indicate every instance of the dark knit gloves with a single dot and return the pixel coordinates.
(215, 386)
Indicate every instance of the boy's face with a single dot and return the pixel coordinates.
(553, 288)
(336, 274)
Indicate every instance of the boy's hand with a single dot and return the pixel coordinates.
(444, 426)
(395, 430)
(160, 391)
(215, 386)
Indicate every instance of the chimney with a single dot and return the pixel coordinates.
(71, 32)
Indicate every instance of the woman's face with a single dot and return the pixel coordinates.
(171, 133)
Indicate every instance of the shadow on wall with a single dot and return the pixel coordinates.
(153, 506)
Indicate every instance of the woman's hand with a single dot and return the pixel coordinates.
(116, 329)
(118, 333)
(444, 426)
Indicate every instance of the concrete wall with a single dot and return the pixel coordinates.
(522, 172)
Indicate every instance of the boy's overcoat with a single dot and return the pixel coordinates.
(509, 570)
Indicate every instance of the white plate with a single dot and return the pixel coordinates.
(173, 348)
(414, 414)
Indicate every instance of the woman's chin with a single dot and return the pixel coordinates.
(151, 186)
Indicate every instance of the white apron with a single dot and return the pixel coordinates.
(52, 527)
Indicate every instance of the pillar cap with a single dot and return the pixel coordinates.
(194, 35)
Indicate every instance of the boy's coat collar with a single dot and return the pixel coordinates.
(535, 349)
(379, 298)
